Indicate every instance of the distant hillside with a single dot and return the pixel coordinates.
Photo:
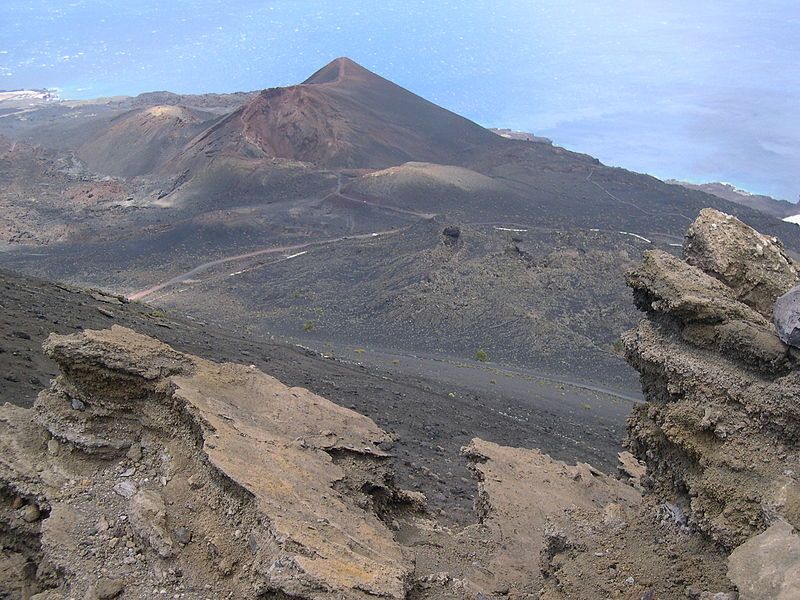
(347, 208)
(139, 141)
(765, 204)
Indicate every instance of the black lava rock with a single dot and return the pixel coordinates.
(451, 235)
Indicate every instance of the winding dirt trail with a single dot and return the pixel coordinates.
(290, 248)
(272, 250)
(631, 204)
(387, 208)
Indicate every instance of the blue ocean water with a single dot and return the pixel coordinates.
(692, 90)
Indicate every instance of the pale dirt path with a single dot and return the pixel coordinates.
(387, 208)
(272, 250)
(277, 249)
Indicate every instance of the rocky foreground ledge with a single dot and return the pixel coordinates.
(144, 462)
(721, 429)
(144, 472)
(719, 432)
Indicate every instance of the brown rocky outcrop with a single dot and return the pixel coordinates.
(144, 469)
(520, 491)
(166, 471)
(755, 267)
(721, 425)
(719, 434)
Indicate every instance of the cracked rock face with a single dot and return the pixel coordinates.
(753, 266)
(178, 473)
(520, 489)
(719, 435)
(721, 424)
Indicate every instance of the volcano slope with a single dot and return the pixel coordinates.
(342, 116)
(765, 204)
(317, 169)
(152, 135)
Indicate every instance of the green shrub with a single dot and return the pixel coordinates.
(308, 326)
(481, 356)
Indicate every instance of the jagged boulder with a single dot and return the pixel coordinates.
(169, 463)
(753, 266)
(666, 284)
(706, 312)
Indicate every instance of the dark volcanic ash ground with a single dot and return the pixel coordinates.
(431, 406)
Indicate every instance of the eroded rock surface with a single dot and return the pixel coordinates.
(767, 567)
(176, 473)
(629, 552)
(719, 434)
(519, 491)
(145, 469)
(721, 425)
(754, 266)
